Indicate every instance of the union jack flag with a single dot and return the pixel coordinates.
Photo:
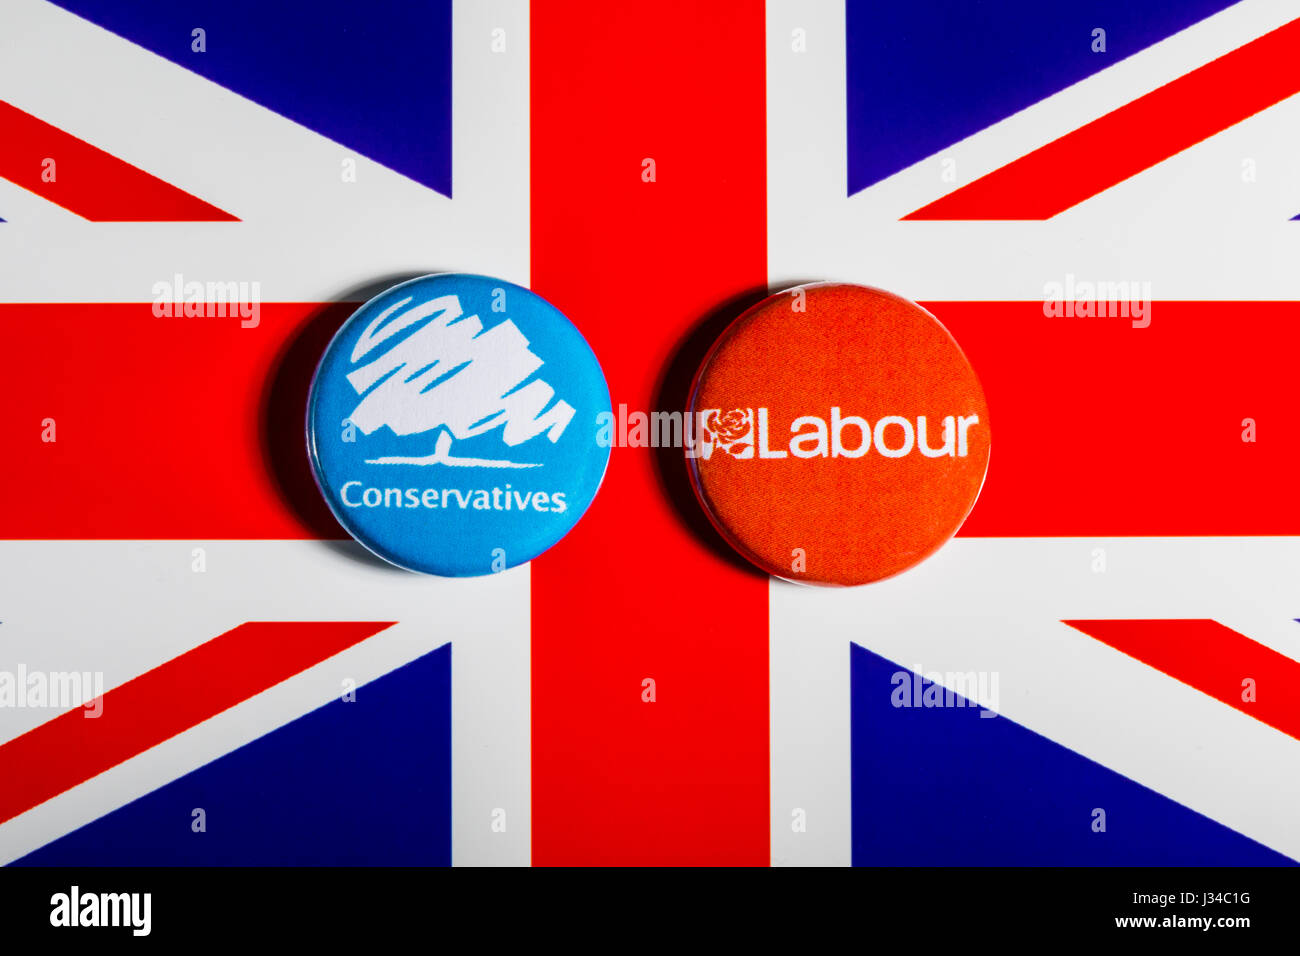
(1120, 598)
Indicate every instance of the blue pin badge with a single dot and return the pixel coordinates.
(452, 425)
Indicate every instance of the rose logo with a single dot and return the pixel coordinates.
(731, 431)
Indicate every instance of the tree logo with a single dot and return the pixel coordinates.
(451, 380)
(452, 424)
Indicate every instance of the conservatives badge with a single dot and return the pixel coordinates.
(452, 423)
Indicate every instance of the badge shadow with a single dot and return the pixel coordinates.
(284, 420)
(672, 394)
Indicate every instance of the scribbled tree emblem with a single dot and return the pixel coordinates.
(453, 379)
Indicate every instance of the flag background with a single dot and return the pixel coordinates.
(184, 434)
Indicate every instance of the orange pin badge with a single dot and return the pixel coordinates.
(839, 434)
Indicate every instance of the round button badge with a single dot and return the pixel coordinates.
(452, 425)
(841, 435)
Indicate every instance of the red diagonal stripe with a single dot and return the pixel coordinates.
(1215, 660)
(1134, 137)
(88, 181)
(633, 593)
(163, 702)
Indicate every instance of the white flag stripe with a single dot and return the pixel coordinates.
(1081, 103)
(995, 605)
(126, 607)
(19, 207)
(1189, 226)
(306, 234)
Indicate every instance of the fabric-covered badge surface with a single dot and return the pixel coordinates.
(841, 434)
(452, 425)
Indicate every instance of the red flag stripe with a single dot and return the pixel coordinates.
(163, 702)
(1134, 137)
(1138, 433)
(634, 594)
(163, 428)
(1100, 428)
(88, 181)
(1214, 659)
